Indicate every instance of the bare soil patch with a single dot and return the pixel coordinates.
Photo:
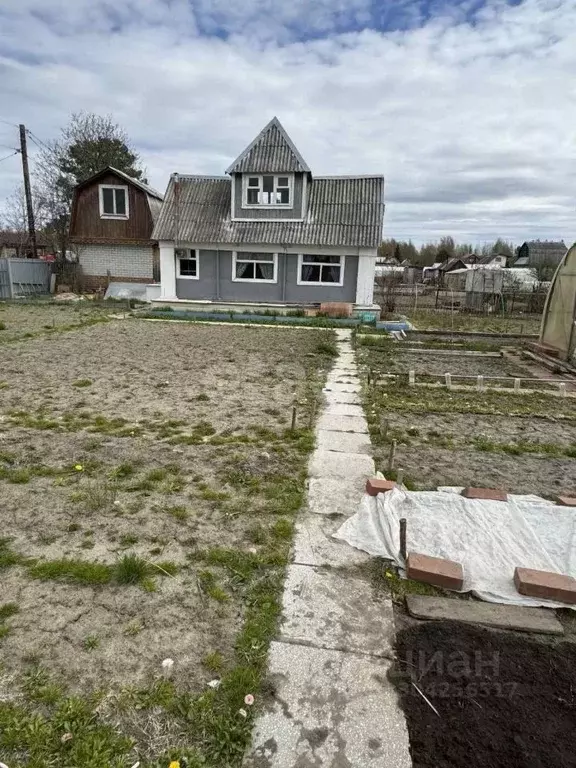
(43, 318)
(166, 445)
(437, 364)
(524, 443)
(429, 467)
(140, 371)
(501, 700)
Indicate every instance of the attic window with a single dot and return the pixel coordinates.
(268, 190)
(113, 201)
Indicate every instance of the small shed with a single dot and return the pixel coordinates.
(558, 330)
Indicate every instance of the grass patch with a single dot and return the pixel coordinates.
(208, 583)
(73, 571)
(132, 569)
(327, 348)
(82, 383)
(178, 512)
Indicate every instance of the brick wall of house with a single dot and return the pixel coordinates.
(121, 262)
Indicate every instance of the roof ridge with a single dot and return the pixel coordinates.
(351, 176)
(199, 176)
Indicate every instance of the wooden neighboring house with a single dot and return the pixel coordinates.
(111, 225)
(540, 255)
(16, 245)
(270, 232)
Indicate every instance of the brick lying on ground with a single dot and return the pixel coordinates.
(545, 585)
(374, 486)
(566, 501)
(434, 570)
(490, 494)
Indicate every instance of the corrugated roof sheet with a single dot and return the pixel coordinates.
(137, 183)
(272, 151)
(155, 207)
(342, 211)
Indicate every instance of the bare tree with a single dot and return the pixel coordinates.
(16, 216)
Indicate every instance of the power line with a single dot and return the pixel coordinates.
(39, 143)
(7, 156)
(7, 123)
(6, 146)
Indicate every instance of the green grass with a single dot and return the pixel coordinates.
(74, 571)
(327, 348)
(208, 583)
(132, 569)
(177, 511)
(82, 383)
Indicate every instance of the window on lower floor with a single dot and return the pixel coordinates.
(255, 267)
(187, 263)
(321, 270)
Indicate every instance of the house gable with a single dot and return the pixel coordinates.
(111, 207)
(272, 151)
(269, 178)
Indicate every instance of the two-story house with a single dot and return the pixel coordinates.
(269, 232)
(111, 229)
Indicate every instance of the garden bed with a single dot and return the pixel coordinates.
(494, 698)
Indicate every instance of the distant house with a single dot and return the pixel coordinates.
(540, 254)
(270, 232)
(17, 245)
(111, 229)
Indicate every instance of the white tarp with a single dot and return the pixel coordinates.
(489, 538)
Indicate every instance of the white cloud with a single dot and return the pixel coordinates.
(472, 122)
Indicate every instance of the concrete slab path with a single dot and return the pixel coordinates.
(333, 705)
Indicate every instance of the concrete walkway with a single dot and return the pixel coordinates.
(333, 706)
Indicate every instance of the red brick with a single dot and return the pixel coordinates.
(491, 494)
(374, 486)
(566, 501)
(435, 570)
(546, 585)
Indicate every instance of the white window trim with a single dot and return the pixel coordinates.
(311, 283)
(121, 216)
(236, 254)
(196, 256)
(267, 206)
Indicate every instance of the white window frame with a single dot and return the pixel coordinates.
(260, 176)
(121, 216)
(188, 254)
(312, 283)
(237, 256)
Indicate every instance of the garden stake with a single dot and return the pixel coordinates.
(293, 427)
(391, 456)
(403, 538)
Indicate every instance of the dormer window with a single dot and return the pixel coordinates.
(268, 190)
(113, 201)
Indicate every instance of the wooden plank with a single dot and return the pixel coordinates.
(523, 619)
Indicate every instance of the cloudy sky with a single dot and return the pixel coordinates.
(467, 107)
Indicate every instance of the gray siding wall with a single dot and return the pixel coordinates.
(295, 212)
(213, 264)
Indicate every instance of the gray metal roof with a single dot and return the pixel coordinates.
(136, 182)
(272, 151)
(342, 211)
(547, 245)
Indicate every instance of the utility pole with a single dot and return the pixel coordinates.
(28, 191)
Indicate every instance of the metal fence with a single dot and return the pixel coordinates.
(24, 277)
(399, 297)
